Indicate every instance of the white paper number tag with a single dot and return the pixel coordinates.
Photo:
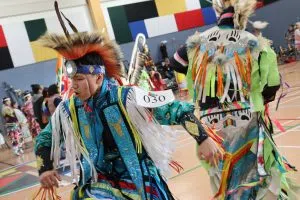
(153, 99)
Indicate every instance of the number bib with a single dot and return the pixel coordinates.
(153, 99)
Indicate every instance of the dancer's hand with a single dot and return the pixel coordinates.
(208, 150)
(49, 179)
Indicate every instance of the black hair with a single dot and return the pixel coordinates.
(52, 90)
(26, 93)
(13, 103)
(157, 76)
(163, 51)
(35, 88)
(45, 92)
(92, 58)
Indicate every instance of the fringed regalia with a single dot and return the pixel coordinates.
(232, 75)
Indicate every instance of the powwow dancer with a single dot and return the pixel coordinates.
(232, 75)
(12, 126)
(123, 152)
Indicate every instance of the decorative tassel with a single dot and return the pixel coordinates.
(213, 135)
(199, 73)
(137, 139)
(220, 87)
(176, 166)
(203, 68)
(200, 68)
(235, 84)
(249, 68)
(260, 153)
(278, 125)
(46, 194)
(239, 83)
(240, 65)
(204, 76)
(227, 85)
(194, 65)
(275, 121)
(245, 186)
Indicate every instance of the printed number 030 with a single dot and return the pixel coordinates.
(154, 99)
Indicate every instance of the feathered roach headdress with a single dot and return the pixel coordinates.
(85, 49)
(234, 12)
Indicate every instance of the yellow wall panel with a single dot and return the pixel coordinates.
(41, 53)
(167, 7)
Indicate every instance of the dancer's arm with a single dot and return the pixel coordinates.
(48, 176)
(181, 113)
(42, 149)
(176, 113)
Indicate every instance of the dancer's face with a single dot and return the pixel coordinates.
(28, 98)
(86, 85)
(7, 103)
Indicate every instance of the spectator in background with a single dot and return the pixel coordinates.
(290, 36)
(157, 81)
(45, 113)
(149, 63)
(22, 122)
(165, 71)
(12, 126)
(179, 62)
(297, 36)
(29, 113)
(37, 101)
(53, 99)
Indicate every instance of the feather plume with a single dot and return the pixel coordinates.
(138, 67)
(193, 41)
(243, 9)
(260, 24)
(218, 6)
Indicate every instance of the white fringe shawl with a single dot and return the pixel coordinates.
(158, 141)
(62, 129)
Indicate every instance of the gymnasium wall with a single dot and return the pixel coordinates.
(27, 69)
